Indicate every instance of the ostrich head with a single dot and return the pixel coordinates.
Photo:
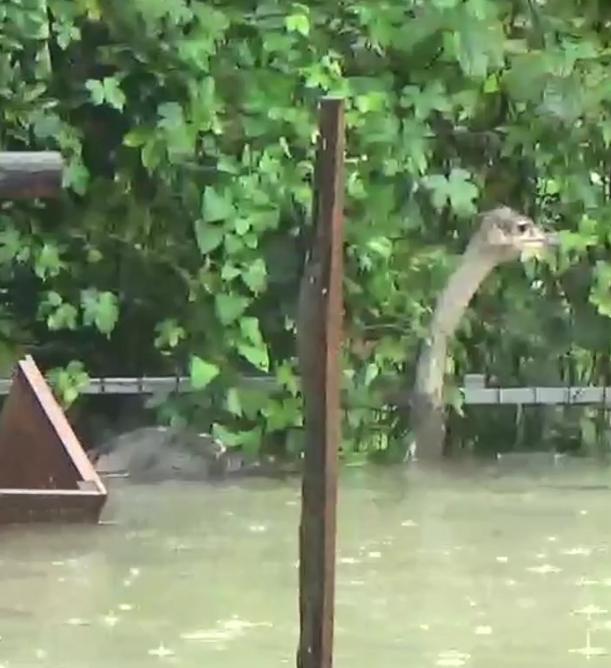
(506, 235)
(503, 235)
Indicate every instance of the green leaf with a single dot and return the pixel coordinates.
(100, 309)
(250, 329)
(241, 226)
(57, 313)
(48, 262)
(229, 272)
(233, 244)
(433, 97)
(416, 145)
(171, 116)
(108, 91)
(94, 256)
(177, 135)
(372, 101)
(282, 414)
(216, 206)
(251, 240)
(457, 190)
(477, 41)
(169, 334)
(249, 441)
(491, 85)
(68, 382)
(526, 78)
(225, 436)
(286, 377)
(208, 237)
(10, 242)
(462, 192)
(63, 317)
(152, 154)
(230, 307)
(96, 91)
(137, 137)
(371, 373)
(298, 23)
(202, 372)
(381, 246)
(255, 276)
(47, 125)
(438, 185)
(256, 355)
(113, 93)
(76, 176)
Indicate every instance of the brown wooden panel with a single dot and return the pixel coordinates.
(19, 506)
(39, 451)
(26, 175)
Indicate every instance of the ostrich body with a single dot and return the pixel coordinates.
(504, 235)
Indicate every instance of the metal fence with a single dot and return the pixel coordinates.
(475, 392)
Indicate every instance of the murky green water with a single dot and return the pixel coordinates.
(433, 570)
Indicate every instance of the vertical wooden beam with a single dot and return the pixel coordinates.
(319, 334)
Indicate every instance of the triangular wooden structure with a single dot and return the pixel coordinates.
(45, 475)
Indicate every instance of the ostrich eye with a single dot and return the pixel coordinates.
(522, 227)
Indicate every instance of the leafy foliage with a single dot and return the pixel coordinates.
(188, 131)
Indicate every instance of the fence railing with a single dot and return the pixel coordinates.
(475, 392)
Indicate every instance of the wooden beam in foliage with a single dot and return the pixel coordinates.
(25, 175)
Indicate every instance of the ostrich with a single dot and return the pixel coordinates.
(504, 235)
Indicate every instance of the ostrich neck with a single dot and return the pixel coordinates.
(474, 266)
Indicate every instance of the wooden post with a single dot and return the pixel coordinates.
(30, 175)
(319, 333)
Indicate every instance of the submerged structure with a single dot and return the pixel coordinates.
(45, 474)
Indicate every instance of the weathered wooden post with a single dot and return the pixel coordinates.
(26, 175)
(319, 334)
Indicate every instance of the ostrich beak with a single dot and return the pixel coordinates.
(537, 242)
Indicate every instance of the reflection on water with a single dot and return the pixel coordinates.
(466, 569)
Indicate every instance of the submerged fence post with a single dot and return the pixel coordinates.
(319, 334)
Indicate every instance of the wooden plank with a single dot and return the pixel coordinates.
(27, 175)
(319, 346)
(19, 506)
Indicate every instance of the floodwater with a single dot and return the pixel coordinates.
(444, 569)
